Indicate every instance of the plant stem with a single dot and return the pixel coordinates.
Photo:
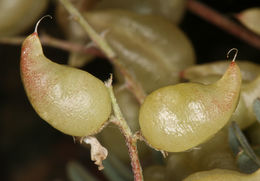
(129, 136)
(133, 86)
(136, 89)
(223, 22)
(56, 43)
(69, 46)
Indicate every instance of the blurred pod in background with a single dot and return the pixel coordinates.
(170, 9)
(151, 48)
(250, 19)
(73, 31)
(18, 15)
(213, 154)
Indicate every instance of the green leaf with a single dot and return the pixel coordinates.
(76, 172)
(245, 163)
(110, 172)
(120, 167)
(241, 148)
(256, 108)
(233, 141)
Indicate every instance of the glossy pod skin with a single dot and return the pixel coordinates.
(145, 45)
(223, 175)
(250, 18)
(69, 99)
(250, 89)
(18, 15)
(180, 117)
(170, 9)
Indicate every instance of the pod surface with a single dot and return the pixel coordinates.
(71, 100)
(177, 118)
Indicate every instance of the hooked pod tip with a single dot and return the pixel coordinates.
(235, 56)
(38, 22)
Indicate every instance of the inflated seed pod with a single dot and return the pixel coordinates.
(111, 137)
(250, 18)
(212, 154)
(145, 44)
(18, 15)
(155, 173)
(223, 175)
(71, 100)
(250, 88)
(171, 9)
(179, 117)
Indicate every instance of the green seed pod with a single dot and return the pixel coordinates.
(250, 18)
(69, 99)
(177, 118)
(250, 89)
(18, 15)
(223, 175)
(145, 45)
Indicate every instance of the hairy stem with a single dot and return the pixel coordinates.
(134, 87)
(129, 136)
(223, 22)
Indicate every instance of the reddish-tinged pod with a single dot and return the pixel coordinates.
(250, 89)
(71, 100)
(179, 117)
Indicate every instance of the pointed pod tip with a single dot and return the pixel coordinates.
(235, 56)
(38, 22)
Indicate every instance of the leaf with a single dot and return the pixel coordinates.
(76, 172)
(110, 172)
(245, 163)
(239, 145)
(233, 141)
(256, 108)
(120, 167)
